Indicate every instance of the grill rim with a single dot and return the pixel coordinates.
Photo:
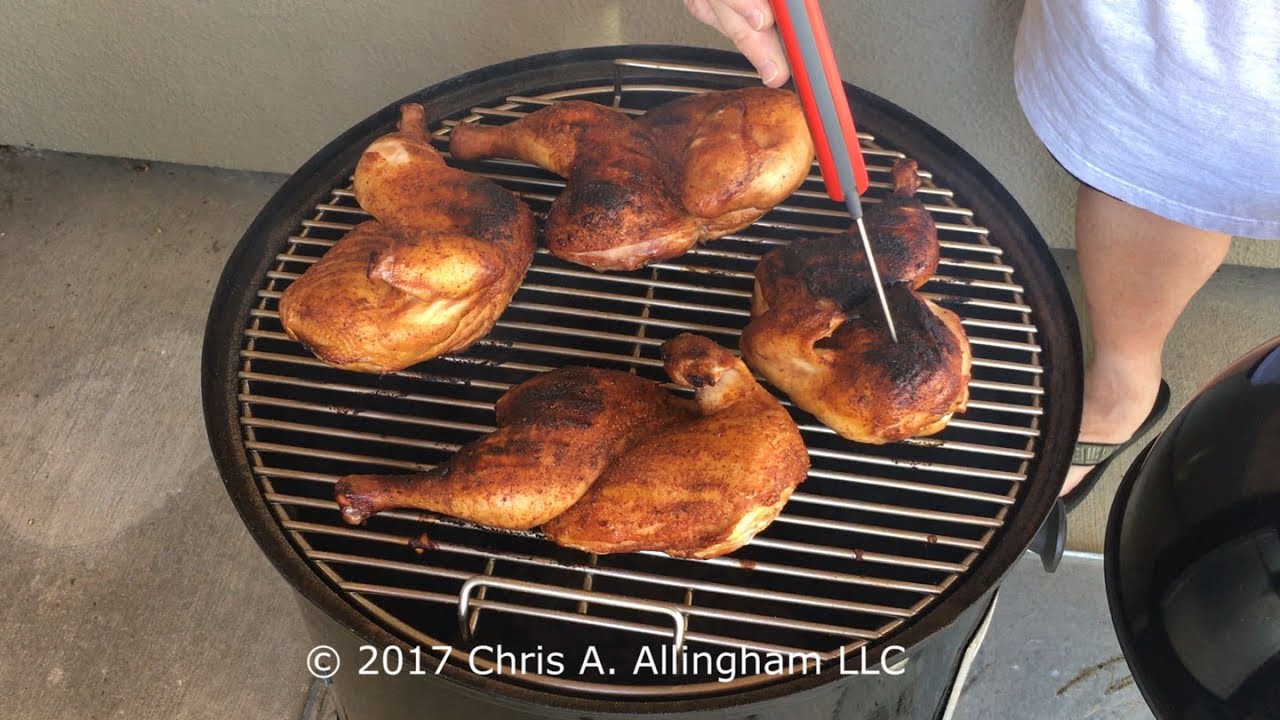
(976, 188)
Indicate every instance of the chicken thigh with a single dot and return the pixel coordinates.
(903, 237)
(735, 153)
(845, 369)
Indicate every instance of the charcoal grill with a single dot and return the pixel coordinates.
(881, 547)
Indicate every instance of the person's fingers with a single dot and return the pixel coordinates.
(757, 13)
(773, 48)
(762, 49)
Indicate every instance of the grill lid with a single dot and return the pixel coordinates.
(880, 546)
(1192, 554)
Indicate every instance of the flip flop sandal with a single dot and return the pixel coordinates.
(1099, 455)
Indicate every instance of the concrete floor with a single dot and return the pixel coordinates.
(1061, 664)
(129, 587)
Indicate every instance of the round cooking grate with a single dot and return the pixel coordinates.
(880, 545)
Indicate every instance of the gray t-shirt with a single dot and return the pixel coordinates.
(1169, 105)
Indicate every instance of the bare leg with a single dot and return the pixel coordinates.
(1139, 270)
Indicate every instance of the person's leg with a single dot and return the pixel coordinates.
(1139, 271)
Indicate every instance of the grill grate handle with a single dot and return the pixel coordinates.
(467, 625)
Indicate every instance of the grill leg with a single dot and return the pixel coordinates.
(966, 664)
(321, 704)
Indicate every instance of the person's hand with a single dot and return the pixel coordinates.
(749, 24)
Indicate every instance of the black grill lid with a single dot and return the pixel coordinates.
(880, 547)
(1193, 552)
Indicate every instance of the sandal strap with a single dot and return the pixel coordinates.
(1087, 453)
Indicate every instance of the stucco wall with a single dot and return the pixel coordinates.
(262, 85)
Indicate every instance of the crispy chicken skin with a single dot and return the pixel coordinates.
(609, 462)
(818, 333)
(556, 434)
(641, 191)
(737, 153)
(902, 232)
(845, 369)
(428, 276)
(700, 487)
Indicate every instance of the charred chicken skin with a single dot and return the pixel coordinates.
(645, 190)
(903, 237)
(818, 333)
(609, 462)
(428, 276)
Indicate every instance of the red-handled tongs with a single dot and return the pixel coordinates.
(817, 80)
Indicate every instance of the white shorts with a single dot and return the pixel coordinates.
(1169, 105)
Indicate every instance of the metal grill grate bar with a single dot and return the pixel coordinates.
(859, 528)
(916, 464)
(943, 490)
(741, 294)
(861, 556)
(250, 421)
(894, 510)
(884, 532)
(797, 547)
(337, 456)
(977, 361)
(353, 411)
(786, 517)
(578, 332)
(763, 567)
(312, 362)
(935, 280)
(958, 470)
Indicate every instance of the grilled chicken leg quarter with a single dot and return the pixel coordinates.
(640, 191)
(818, 334)
(702, 486)
(609, 462)
(430, 275)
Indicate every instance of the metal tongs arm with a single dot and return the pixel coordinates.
(826, 109)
